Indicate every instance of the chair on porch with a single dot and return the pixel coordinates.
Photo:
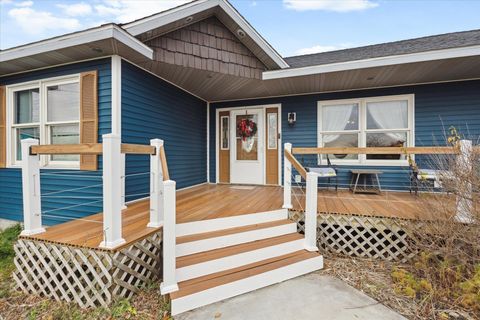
(432, 178)
(327, 171)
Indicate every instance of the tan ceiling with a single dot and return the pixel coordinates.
(218, 87)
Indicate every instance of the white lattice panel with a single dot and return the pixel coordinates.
(361, 236)
(88, 277)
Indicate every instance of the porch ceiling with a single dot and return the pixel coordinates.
(213, 86)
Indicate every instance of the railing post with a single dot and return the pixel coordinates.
(464, 187)
(169, 283)
(32, 206)
(122, 170)
(287, 179)
(311, 202)
(112, 192)
(156, 186)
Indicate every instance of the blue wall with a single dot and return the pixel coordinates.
(53, 181)
(437, 107)
(153, 108)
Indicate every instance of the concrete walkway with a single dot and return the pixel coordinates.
(311, 297)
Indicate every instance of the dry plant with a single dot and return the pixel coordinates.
(446, 273)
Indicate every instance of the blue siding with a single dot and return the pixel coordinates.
(437, 107)
(153, 108)
(10, 179)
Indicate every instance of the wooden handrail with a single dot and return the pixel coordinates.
(88, 148)
(377, 150)
(137, 149)
(163, 160)
(85, 148)
(296, 164)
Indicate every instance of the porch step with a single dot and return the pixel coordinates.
(210, 225)
(200, 242)
(226, 284)
(204, 263)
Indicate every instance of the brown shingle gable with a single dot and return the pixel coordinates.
(207, 45)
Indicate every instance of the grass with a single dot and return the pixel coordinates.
(148, 304)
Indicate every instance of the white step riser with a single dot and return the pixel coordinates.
(194, 227)
(238, 260)
(245, 285)
(187, 248)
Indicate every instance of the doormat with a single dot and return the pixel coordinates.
(243, 187)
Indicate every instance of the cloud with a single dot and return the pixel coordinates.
(24, 4)
(36, 22)
(76, 9)
(128, 10)
(320, 48)
(329, 5)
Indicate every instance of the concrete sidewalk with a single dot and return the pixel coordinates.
(311, 297)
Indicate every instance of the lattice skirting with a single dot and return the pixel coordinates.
(362, 236)
(88, 277)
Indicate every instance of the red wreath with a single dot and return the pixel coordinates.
(246, 128)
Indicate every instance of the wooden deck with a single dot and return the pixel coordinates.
(211, 201)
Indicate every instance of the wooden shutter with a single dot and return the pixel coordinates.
(3, 127)
(88, 117)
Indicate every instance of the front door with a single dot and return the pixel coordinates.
(247, 150)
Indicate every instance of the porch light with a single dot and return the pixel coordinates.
(292, 118)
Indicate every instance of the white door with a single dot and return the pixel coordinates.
(247, 150)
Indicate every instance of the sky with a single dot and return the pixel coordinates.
(292, 27)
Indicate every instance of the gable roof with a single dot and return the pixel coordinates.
(423, 44)
(178, 17)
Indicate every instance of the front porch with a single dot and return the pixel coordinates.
(211, 201)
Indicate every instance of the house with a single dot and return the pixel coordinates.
(195, 74)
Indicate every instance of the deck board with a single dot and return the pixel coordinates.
(211, 201)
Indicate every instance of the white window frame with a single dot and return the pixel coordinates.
(43, 124)
(362, 128)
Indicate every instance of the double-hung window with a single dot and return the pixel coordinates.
(48, 110)
(367, 122)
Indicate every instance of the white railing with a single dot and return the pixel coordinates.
(162, 193)
(311, 196)
(463, 151)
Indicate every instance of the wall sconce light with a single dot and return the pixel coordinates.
(292, 118)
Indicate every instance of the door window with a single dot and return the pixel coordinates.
(247, 137)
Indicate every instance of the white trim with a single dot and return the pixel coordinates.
(210, 225)
(159, 77)
(238, 260)
(280, 144)
(163, 18)
(238, 287)
(42, 124)
(187, 248)
(78, 38)
(362, 102)
(374, 62)
(116, 69)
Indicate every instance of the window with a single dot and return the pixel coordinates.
(369, 122)
(225, 121)
(48, 110)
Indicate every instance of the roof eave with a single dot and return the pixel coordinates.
(374, 62)
(82, 37)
